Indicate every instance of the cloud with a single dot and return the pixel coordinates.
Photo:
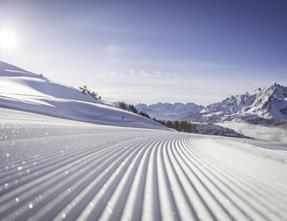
(278, 134)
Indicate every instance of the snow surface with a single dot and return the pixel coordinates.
(23, 90)
(56, 169)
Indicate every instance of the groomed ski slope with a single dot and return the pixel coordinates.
(52, 169)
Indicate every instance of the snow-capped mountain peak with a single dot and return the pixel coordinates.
(229, 105)
(270, 102)
(267, 103)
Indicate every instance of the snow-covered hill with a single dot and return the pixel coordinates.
(23, 90)
(169, 111)
(269, 104)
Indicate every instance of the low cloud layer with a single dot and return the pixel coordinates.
(278, 134)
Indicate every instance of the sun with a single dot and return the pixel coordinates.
(8, 39)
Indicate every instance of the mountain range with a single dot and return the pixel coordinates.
(169, 111)
(266, 105)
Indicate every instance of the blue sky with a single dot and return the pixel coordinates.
(150, 51)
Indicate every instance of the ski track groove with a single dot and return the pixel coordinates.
(243, 191)
(74, 160)
(220, 188)
(254, 180)
(132, 176)
(253, 186)
(210, 179)
(240, 192)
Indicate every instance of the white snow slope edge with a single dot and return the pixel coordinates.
(23, 90)
(54, 169)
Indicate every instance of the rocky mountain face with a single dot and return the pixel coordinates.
(268, 104)
(169, 111)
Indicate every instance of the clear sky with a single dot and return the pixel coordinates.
(151, 51)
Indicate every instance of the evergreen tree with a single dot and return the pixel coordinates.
(84, 89)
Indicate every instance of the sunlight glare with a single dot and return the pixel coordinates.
(8, 39)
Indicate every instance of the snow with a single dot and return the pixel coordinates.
(268, 103)
(65, 156)
(81, 171)
(23, 90)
